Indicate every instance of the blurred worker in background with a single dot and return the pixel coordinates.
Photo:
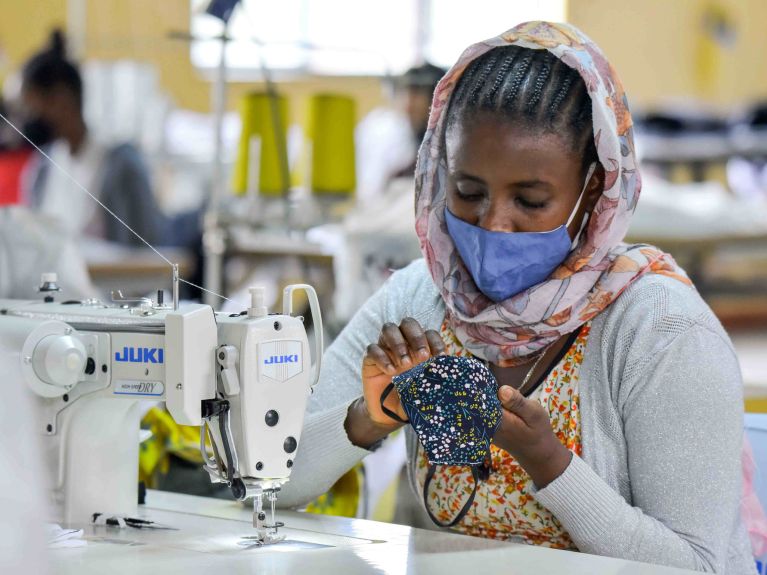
(15, 153)
(52, 92)
(388, 138)
(415, 91)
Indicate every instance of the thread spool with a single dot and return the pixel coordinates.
(330, 134)
(262, 147)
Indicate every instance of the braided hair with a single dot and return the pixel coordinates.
(51, 69)
(531, 88)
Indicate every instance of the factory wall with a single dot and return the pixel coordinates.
(661, 47)
(664, 50)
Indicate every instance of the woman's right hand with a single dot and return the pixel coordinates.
(399, 348)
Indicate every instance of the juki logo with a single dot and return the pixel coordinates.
(141, 355)
(281, 359)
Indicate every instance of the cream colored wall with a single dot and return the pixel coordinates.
(24, 25)
(655, 45)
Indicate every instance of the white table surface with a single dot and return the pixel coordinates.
(208, 541)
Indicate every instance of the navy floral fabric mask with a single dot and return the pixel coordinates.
(452, 404)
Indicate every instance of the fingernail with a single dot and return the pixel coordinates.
(505, 393)
(390, 369)
(423, 353)
(406, 361)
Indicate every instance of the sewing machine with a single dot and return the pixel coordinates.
(243, 378)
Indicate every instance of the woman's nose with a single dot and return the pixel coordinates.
(496, 218)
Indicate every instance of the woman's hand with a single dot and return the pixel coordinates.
(399, 348)
(525, 432)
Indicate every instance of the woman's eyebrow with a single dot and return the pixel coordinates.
(534, 183)
(459, 175)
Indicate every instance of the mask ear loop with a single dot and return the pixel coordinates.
(388, 411)
(589, 173)
(464, 510)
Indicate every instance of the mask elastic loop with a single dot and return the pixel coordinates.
(385, 409)
(464, 510)
(590, 173)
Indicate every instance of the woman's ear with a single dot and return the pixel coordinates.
(594, 187)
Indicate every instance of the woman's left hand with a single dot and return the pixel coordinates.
(525, 433)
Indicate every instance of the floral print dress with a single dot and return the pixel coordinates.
(504, 506)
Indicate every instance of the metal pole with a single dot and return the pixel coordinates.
(175, 287)
(213, 242)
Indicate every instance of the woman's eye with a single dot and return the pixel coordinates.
(468, 195)
(529, 204)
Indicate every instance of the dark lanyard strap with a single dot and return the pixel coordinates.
(553, 363)
(464, 510)
(385, 409)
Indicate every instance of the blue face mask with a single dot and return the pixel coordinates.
(504, 264)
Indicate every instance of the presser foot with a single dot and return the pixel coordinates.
(267, 538)
(266, 533)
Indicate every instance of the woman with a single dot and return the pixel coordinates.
(621, 432)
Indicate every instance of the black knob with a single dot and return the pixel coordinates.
(238, 489)
(290, 444)
(262, 516)
(259, 466)
(90, 366)
(271, 418)
(290, 463)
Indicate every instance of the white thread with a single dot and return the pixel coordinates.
(110, 212)
(182, 280)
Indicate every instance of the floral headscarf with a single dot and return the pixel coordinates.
(600, 266)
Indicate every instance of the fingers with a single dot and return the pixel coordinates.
(400, 347)
(436, 344)
(416, 339)
(375, 356)
(513, 401)
(393, 341)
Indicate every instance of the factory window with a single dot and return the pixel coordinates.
(353, 37)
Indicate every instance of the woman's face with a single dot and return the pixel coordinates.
(508, 179)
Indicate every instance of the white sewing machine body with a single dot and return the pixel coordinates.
(244, 377)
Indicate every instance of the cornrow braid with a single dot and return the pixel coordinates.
(481, 79)
(561, 93)
(530, 87)
(500, 78)
(544, 71)
(517, 75)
